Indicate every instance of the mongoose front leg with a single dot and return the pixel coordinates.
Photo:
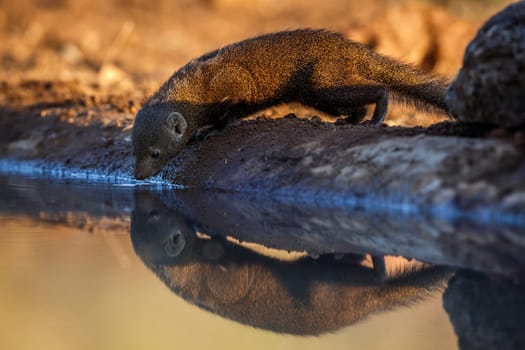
(348, 99)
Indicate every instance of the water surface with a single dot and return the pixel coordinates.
(90, 266)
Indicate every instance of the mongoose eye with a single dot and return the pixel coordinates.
(155, 154)
(153, 213)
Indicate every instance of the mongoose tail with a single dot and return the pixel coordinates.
(406, 83)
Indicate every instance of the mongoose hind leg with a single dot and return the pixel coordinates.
(378, 262)
(353, 101)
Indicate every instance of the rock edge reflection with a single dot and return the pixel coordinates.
(330, 286)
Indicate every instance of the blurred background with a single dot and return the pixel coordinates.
(121, 43)
(129, 47)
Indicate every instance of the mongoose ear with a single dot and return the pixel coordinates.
(176, 124)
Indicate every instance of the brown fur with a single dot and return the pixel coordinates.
(317, 68)
(304, 297)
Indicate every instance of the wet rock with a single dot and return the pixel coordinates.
(486, 313)
(490, 87)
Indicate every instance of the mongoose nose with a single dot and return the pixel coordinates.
(139, 175)
(143, 172)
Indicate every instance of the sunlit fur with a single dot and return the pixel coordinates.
(317, 68)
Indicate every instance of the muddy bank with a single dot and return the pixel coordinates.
(447, 169)
(74, 118)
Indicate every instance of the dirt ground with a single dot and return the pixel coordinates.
(74, 73)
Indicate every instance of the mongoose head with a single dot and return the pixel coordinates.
(159, 234)
(158, 135)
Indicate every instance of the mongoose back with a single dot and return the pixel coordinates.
(316, 68)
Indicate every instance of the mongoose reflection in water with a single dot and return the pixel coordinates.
(316, 68)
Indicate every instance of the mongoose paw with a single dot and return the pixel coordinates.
(202, 134)
(369, 123)
(206, 132)
(354, 115)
